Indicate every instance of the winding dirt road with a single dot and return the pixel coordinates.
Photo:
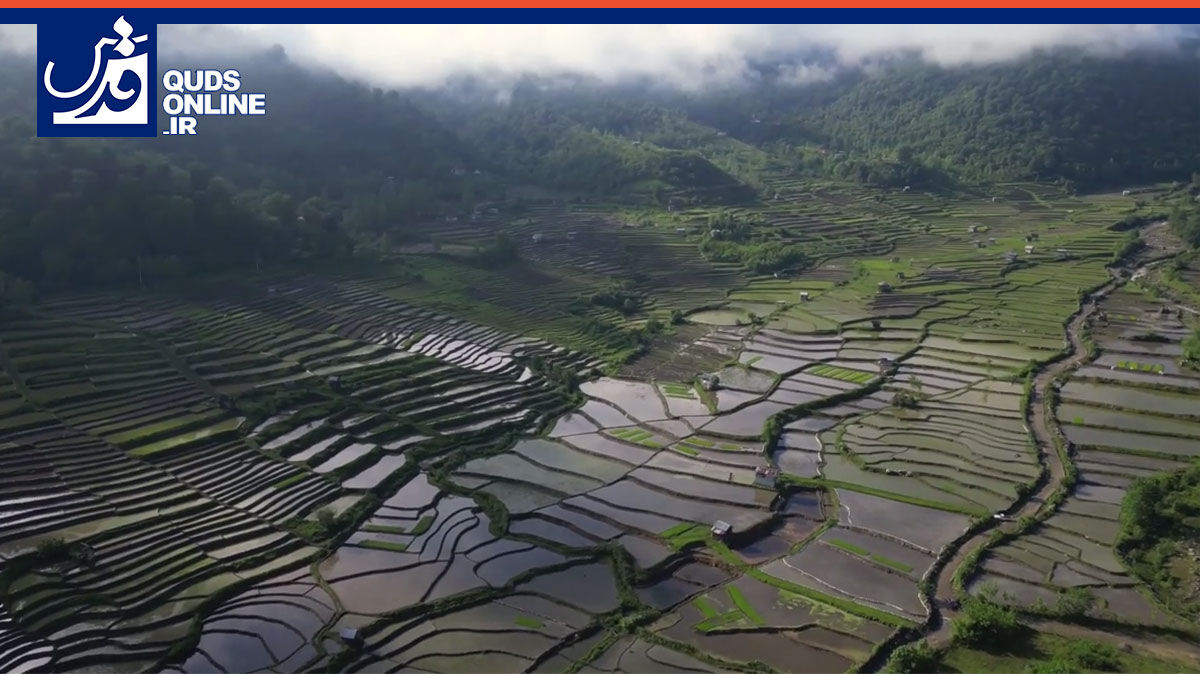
(1043, 434)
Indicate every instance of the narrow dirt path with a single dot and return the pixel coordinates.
(1043, 433)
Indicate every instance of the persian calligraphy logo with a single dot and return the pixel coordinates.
(97, 78)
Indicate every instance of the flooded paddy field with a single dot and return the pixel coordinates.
(830, 570)
(778, 648)
(770, 482)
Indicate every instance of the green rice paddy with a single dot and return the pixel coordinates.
(384, 545)
(1135, 366)
(529, 621)
(684, 391)
(637, 436)
(844, 374)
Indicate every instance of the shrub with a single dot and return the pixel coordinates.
(1191, 346)
(620, 297)
(51, 547)
(915, 658)
(1091, 655)
(52, 550)
(1027, 370)
(502, 252)
(1075, 602)
(1079, 656)
(985, 621)
(327, 520)
(1052, 666)
(904, 399)
(1127, 246)
(15, 291)
(918, 389)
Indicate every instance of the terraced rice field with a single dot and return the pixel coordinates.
(144, 434)
(231, 480)
(1122, 423)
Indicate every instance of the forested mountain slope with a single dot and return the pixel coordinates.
(1096, 121)
(338, 165)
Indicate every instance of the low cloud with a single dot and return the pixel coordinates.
(18, 38)
(687, 56)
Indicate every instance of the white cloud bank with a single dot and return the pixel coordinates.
(685, 55)
(20, 38)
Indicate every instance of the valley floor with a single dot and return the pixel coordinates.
(445, 468)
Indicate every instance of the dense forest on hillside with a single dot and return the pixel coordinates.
(311, 180)
(337, 166)
(328, 136)
(1096, 122)
(590, 141)
(80, 212)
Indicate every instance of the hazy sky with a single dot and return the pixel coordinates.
(686, 55)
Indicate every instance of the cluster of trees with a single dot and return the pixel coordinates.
(915, 658)
(1160, 518)
(621, 344)
(83, 213)
(563, 377)
(985, 620)
(1127, 246)
(738, 239)
(763, 257)
(620, 296)
(725, 225)
(1185, 217)
(905, 400)
(502, 252)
